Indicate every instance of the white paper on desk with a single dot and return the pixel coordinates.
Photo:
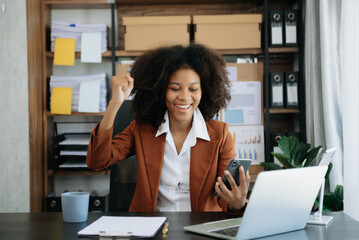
(91, 47)
(245, 105)
(138, 226)
(89, 96)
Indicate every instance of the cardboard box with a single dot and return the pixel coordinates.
(147, 32)
(245, 71)
(237, 31)
(123, 68)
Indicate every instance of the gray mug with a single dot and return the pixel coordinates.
(75, 206)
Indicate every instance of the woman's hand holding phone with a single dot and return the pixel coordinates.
(236, 195)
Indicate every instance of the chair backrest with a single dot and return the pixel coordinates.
(123, 176)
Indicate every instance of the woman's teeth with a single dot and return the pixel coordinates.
(183, 106)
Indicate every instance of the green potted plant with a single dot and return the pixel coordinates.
(298, 154)
(294, 154)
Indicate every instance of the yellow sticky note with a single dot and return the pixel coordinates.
(64, 51)
(61, 100)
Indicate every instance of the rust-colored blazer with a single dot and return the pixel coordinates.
(209, 159)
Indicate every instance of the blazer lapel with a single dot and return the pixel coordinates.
(202, 156)
(153, 151)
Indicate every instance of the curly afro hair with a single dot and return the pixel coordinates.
(153, 69)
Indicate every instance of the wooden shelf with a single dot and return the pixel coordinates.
(49, 114)
(44, 62)
(283, 50)
(282, 110)
(75, 172)
(78, 54)
(169, 2)
(251, 51)
(79, 4)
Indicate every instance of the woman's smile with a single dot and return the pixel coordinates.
(183, 95)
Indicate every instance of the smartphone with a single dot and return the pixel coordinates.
(233, 169)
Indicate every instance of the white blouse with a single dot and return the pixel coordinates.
(173, 193)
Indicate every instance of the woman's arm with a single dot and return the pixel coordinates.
(102, 151)
(121, 88)
(236, 198)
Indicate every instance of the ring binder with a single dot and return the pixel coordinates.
(290, 27)
(291, 79)
(276, 28)
(277, 90)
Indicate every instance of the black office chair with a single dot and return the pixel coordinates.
(123, 176)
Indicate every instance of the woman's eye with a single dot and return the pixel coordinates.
(175, 89)
(193, 89)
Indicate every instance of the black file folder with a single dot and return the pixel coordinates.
(276, 28)
(290, 27)
(274, 138)
(294, 134)
(277, 90)
(291, 83)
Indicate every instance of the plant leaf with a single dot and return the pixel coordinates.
(293, 144)
(334, 201)
(300, 152)
(283, 159)
(312, 155)
(330, 166)
(288, 145)
(303, 163)
(329, 202)
(270, 166)
(338, 196)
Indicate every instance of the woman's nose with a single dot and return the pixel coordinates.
(184, 94)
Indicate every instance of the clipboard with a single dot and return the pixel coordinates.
(124, 227)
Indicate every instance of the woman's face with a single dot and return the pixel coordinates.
(183, 95)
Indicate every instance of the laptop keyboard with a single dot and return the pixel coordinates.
(231, 231)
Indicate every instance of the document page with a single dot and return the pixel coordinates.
(245, 105)
(122, 226)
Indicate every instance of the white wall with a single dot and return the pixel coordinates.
(14, 116)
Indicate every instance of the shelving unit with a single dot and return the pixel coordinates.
(274, 117)
(49, 114)
(274, 59)
(50, 171)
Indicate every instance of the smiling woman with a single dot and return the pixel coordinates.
(181, 152)
(183, 95)
(153, 70)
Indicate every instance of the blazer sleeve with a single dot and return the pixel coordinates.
(104, 150)
(227, 152)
